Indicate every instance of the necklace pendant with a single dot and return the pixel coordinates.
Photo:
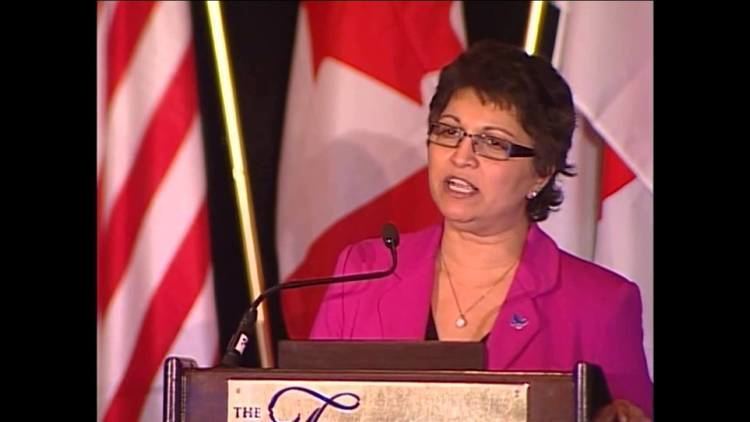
(461, 322)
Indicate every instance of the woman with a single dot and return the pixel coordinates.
(500, 127)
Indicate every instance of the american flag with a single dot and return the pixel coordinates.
(155, 281)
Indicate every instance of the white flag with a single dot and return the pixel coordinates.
(605, 51)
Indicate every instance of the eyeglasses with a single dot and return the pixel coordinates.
(482, 144)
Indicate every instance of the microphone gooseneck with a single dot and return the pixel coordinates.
(239, 340)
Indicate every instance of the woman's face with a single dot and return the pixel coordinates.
(476, 193)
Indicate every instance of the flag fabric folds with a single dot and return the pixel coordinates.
(605, 51)
(353, 153)
(154, 271)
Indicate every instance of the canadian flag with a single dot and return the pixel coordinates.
(155, 279)
(353, 154)
(605, 51)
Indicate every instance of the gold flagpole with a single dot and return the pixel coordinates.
(241, 179)
(537, 11)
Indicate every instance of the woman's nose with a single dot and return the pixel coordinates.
(463, 155)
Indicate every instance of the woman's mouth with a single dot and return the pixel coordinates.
(460, 186)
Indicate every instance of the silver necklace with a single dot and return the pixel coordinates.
(461, 321)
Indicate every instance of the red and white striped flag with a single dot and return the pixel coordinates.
(605, 51)
(353, 152)
(154, 282)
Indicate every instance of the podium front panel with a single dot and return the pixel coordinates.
(203, 394)
(345, 401)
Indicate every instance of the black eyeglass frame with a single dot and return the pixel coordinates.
(513, 149)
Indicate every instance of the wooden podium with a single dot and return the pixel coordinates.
(379, 381)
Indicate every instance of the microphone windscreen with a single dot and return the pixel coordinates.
(390, 235)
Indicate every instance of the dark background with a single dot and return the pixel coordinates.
(260, 36)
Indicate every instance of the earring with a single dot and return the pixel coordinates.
(531, 195)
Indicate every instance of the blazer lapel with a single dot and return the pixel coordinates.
(405, 305)
(519, 319)
(516, 325)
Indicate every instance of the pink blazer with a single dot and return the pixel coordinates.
(559, 310)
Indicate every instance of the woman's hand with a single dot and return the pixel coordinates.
(621, 411)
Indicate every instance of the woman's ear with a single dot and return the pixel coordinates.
(541, 182)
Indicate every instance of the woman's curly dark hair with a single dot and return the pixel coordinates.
(508, 77)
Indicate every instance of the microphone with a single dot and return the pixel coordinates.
(238, 342)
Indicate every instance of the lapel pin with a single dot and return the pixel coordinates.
(518, 321)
